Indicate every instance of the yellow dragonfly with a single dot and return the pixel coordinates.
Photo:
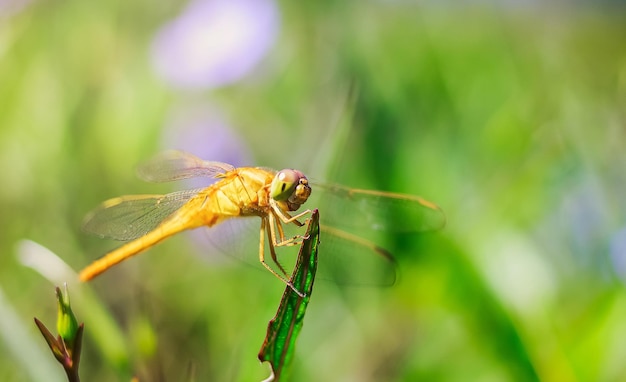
(273, 196)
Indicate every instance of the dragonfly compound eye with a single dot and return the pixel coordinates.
(284, 184)
(290, 186)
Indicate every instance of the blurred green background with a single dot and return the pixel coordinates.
(510, 116)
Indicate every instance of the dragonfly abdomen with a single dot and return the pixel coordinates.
(240, 192)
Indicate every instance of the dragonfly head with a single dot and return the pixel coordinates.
(290, 187)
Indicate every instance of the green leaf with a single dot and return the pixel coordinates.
(52, 342)
(283, 329)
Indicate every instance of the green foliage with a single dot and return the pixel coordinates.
(283, 330)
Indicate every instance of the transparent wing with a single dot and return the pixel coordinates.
(344, 259)
(347, 259)
(359, 211)
(129, 217)
(355, 226)
(177, 165)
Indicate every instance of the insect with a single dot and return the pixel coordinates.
(273, 196)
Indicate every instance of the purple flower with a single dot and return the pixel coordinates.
(11, 7)
(617, 248)
(215, 42)
(201, 131)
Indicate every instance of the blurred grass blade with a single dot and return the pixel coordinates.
(105, 331)
(22, 349)
(283, 329)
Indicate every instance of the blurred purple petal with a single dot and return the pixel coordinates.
(11, 7)
(618, 253)
(215, 42)
(584, 212)
(200, 130)
(575, 231)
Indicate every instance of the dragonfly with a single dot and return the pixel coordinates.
(273, 196)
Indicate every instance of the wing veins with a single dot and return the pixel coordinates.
(355, 209)
(129, 217)
(174, 165)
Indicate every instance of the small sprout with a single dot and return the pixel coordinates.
(67, 345)
(67, 326)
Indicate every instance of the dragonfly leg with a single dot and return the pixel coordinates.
(285, 217)
(275, 225)
(271, 235)
(264, 224)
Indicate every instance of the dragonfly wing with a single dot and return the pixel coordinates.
(177, 165)
(359, 211)
(344, 259)
(354, 223)
(129, 217)
(350, 260)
